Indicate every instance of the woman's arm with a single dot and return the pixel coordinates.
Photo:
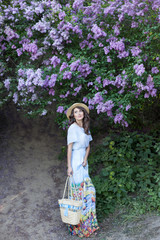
(69, 154)
(86, 156)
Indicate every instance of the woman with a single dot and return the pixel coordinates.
(78, 139)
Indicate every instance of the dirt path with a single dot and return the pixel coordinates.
(32, 180)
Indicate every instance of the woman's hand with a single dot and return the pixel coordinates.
(70, 171)
(84, 163)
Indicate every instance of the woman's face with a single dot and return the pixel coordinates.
(78, 114)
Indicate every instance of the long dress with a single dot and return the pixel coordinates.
(83, 183)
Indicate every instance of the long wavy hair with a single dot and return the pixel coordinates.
(86, 119)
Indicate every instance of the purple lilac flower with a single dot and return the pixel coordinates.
(109, 59)
(75, 19)
(1, 19)
(41, 26)
(140, 86)
(145, 58)
(44, 112)
(89, 36)
(134, 24)
(15, 97)
(58, 43)
(106, 50)
(3, 46)
(90, 45)
(21, 72)
(153, 92)
(141, 44)
(124, 123)
(60, 109)
(98, 79)
(51, 92)
(13, 47)
(19, 52)
(10, 33)
(78, 4)
(128, 107)
(32, 47)
(39, 9)
(90, 84)
(98, 32)
(61, 15)
(52, 80)
(21, 84)
(123, 54)
(36, 55)
(85, 70)
(91, 102)
(135, 51)
(29, 32)
(53, 34)
(85, 100)
(77, 30)
(150, 86)
(116, 30)
(67, 75)
(146, 95)
(64, 96)
(139, 69)
(46, 62)
(38, 73)
(121, 91)
(30, 74)
(109, 10)
(118, 118)
(154, 70)
(74, 65)
(119, 45)
(93, 61)
(30, 90)
(105, 107)
(118, 81)
(77, 89)
(83, 44)
(7, 83)
(55, 61)
(63, 66)
(100, 45)
(97, 98)
(106, 82)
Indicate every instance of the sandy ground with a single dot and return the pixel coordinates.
(32, 180)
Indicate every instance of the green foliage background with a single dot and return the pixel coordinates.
(125, 170)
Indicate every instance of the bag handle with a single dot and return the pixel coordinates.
(74, 188)
(68, 187)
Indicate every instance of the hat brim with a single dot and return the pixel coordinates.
(74, 106)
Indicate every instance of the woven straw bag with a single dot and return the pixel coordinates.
(70, 209)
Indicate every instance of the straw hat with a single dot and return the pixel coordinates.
(76, 105)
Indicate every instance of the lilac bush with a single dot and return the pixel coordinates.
(103, 53)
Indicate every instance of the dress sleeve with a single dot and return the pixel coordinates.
(71, 135)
